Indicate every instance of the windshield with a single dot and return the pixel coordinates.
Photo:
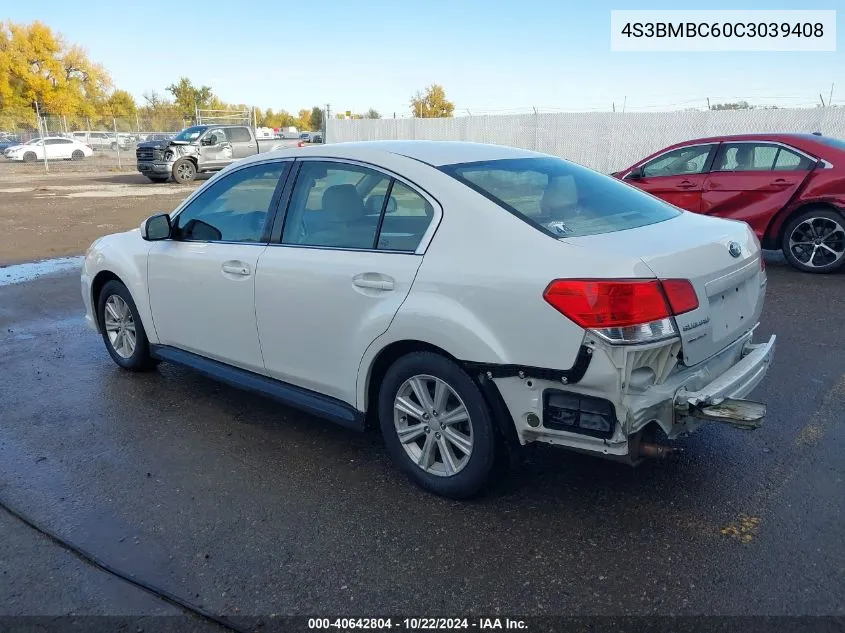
(190, 133)
(35, 141)
(560, 198)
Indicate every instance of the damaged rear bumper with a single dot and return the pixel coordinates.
(721, 400)
(678, 400)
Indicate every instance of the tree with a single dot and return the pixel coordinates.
(432, 103)
(316, 119)
(189, 97)
(738, 105)
(120, 105)
(159, 114)
(372, 113)
(36, 64)
(303, 120)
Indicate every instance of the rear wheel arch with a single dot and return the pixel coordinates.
(382, 362)
(503, 421)
(776, 241)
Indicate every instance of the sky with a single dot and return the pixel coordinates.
(498, 56)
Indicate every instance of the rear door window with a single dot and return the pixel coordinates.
(746, 157)
(560, 198)
(238, 134)
(406, 219)
(787, 160)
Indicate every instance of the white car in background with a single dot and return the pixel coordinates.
(57, 148)
(463, 297)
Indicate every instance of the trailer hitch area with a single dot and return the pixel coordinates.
(740, 414)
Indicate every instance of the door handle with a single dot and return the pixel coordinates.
(250, 145)
(236, 268)
(780, 182)
(686, 184)
(373, 283)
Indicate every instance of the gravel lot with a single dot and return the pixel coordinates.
(248, 508)
(62, 212)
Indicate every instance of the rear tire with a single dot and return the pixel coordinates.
(184, 171)
(121, 328)
(78, 154)
(814, 241)
(451, 452)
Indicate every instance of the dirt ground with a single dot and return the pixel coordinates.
(60, 213)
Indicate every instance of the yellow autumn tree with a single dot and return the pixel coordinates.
(36, 64)
(432, 103)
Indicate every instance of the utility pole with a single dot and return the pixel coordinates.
(830, 96)
(326, 121)
(708, 103)
(624, 103)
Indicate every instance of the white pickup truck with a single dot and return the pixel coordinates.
(199, 149)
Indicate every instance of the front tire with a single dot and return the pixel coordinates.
(122, 330)
(814, 241)
(437, 425)
(29, 157)
(184, 171)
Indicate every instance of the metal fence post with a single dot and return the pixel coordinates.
(117, 143)
(42, 135)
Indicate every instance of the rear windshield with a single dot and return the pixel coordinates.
(561, 198)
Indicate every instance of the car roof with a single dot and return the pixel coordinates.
(434, 153)
(774, 136)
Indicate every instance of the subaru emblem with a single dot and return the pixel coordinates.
(735, 249)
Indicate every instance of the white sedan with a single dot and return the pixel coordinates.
(57, 148)
(463, 297)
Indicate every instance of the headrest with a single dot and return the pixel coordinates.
(343, 202)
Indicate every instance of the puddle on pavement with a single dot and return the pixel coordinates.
(22, 273)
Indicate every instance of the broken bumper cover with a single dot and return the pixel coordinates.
(721, 399)
(685, 400)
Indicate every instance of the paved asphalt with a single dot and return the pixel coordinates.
(244, 507)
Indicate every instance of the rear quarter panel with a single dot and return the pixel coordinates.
(823, 186)
(478, 294)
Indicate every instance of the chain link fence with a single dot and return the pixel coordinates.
(604, 141)
(113, 140)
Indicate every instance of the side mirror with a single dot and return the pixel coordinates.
(636, 174)
(209, 140)
(156, 227)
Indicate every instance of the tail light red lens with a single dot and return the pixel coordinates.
(611, 303)
(680, 294)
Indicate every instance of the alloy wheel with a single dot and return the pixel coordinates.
(120, 326)
(185, 171)
(817, 242)
(433, 425)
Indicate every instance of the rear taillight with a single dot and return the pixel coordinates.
(623, 311)
(762, 262)
(680, 294)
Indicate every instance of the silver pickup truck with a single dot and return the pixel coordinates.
(199, 149)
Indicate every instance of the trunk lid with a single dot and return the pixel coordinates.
(730, 285)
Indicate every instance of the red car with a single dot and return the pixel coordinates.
(790, 188)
